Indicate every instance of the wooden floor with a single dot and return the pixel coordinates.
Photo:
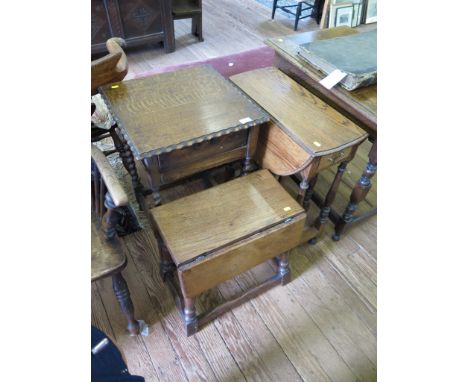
(320, 327)
(228, 27)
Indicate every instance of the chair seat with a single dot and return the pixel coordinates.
(107, 256)
(184, 8)
(204, 222)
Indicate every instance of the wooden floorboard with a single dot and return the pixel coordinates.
(320, 327)
(228, 27)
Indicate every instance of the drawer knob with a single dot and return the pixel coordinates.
(336, 157)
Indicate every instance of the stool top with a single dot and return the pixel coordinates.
(203, 222)
(169, 111)
(311, 123)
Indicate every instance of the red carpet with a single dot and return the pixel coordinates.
(226, 65)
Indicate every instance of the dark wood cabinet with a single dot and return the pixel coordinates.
(136, 21)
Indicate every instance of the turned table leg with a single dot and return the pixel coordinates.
(308, 193)
(360, 191)
(325, 210)
(128, 161)
(152, 172)
(249, 165)
(303, 187)
(126, 305)
(190, 317)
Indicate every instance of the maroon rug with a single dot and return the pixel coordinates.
(226, 65)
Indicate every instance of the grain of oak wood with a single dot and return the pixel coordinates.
(254, 203)
(173, 110)
(313, 124)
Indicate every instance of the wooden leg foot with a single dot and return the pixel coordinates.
(313, 241)
(335, 237)
(248, 167)
(126, 305)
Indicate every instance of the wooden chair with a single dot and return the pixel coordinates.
(107, 251)
(300, 7)
(189, 9)
(111, 68)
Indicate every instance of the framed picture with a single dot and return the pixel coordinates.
(344, 16)
(371, 12)
(345, 13)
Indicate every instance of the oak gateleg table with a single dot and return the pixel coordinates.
(359, 105)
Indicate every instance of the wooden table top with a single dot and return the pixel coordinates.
(315, 126)
(362, 102)
(214, 218)
(173, 110)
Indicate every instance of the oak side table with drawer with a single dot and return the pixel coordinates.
(182, 123)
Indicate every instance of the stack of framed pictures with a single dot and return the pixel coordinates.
(352, 13)
(370, 15)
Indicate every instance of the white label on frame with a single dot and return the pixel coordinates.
(333, 78)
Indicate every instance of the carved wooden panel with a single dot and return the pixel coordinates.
(140, 17)
(136, 21)
(100, 30)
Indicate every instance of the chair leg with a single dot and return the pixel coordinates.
(274, 9)
(197, 27)
(298, 14)
(126, 305)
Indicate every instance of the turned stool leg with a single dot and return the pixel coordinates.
(126, 305)
(283, 268)
(190, 317)
(360, 191)
(325, 210)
